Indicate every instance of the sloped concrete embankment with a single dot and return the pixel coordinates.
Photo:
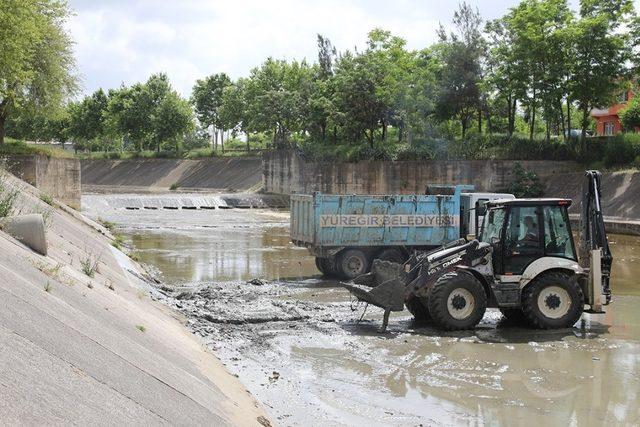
(97, 350)
(620, 198)
(153, 175)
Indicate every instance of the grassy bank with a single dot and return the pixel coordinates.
(600, 152)
(200, 153)
(15, 147)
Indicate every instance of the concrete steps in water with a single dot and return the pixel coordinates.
(185, 201)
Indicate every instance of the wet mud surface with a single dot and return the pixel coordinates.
(296, 342)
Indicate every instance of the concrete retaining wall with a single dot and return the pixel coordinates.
(58, 178)
(228, 174)
(620, 198)
(286, 172)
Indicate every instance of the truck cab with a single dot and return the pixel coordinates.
(473, 207)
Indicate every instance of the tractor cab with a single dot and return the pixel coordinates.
(524, 231)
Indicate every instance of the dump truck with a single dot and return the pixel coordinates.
(346, 233)
(525, 262)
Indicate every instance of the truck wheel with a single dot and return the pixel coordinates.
(326, 266)
(515, 316)
(418, 309)
(352, 263)
(392, 255)
(320, 265)
(457, 301)
(552, 301)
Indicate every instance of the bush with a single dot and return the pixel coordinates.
(7, 198)
(19, 148)
(621, 150)
(525, 183)
(630, 116)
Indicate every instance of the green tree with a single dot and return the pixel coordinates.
(601, 51)
(36, 60)
(630, 116)
(172, 118)
(207, 99)
(273, 101)
(143, 112)
(533, 38)
(233, 112)
(87, 118)
(461, 52)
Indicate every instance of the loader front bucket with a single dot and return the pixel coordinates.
(384, 287)
(388, 296)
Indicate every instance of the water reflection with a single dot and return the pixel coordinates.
(626, 264)
(223, 254)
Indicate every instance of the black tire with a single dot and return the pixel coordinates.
(514, 316)
(327, 266)
(418, 309)
(391, 255)
(320, 265)
(457, 301)
(352, 263)
(548, 293)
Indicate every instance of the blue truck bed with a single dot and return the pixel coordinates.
(325, 223)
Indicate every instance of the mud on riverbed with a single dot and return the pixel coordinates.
(296, 344)
(300, 349)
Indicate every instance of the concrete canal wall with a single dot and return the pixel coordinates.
(286, 172)
(58, 178)
(620, 198)
(98, 350)
(144, 175)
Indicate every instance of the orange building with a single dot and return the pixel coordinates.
(607, 120)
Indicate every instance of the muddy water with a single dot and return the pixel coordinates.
(298, 346)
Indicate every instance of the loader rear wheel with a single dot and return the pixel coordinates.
(552, 301)
(418, 309)
(352, 263)
(457, 301)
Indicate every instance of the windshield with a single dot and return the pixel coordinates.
(492, 226)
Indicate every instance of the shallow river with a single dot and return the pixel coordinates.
(321, 366)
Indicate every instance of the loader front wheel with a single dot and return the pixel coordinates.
(352, 263)
(457, 301)
(552, 301)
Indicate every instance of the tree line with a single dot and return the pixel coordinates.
(537, 71)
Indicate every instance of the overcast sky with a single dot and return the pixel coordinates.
(124, 41)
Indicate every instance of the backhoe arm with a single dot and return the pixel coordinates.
(593, 237)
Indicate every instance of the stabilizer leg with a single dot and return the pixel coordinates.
(385, 321)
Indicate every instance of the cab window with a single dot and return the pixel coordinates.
(522, 240)
(492, 226)
(557, 235)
